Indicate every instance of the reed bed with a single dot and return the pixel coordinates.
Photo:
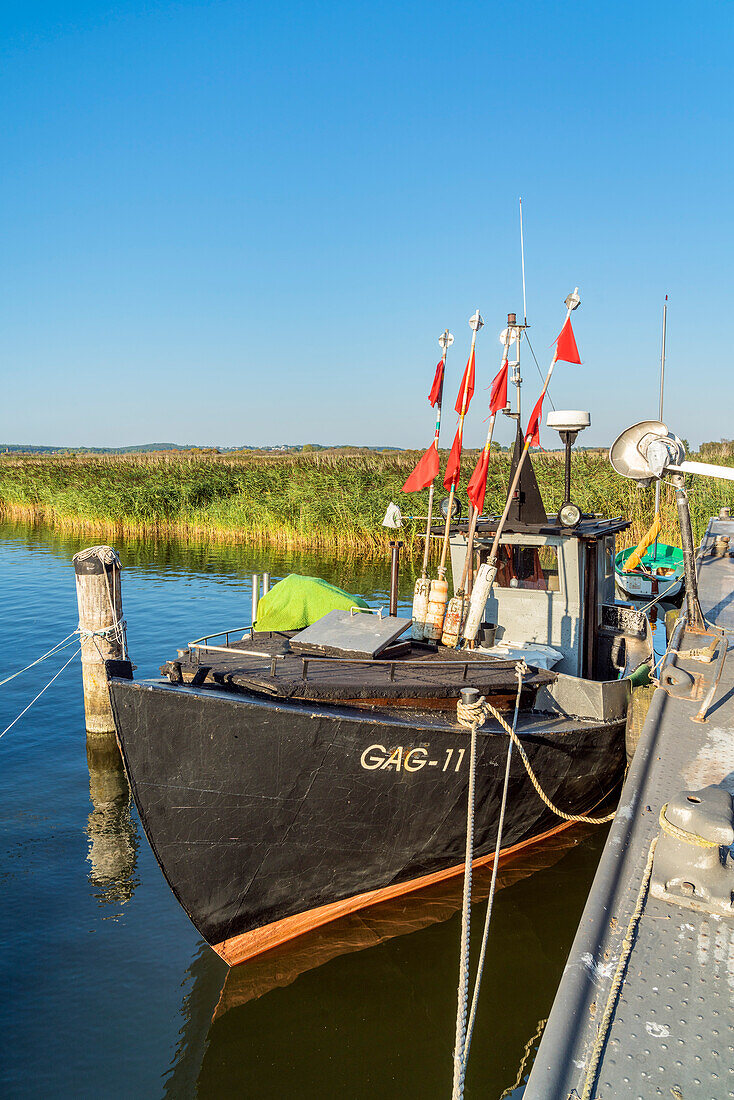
(331, 500)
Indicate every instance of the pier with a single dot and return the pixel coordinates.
(644, 1007)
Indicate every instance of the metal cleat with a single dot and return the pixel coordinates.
(693, 864)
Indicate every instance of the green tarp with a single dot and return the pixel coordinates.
(296, 602)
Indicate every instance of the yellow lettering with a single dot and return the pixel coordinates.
(370, 761)
(395, 758)
(419, 762)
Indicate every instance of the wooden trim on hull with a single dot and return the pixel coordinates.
(248, 945)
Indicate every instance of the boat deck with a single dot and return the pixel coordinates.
(406, 674)
(668, 1027)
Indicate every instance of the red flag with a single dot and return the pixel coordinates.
(498, 393)
(453, 467)
(468, 381)
(478, 481)
(566, 349)
(424, 473)
(437, 387)
(533, 432)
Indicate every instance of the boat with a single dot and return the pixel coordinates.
(287, 778)
(660, 572)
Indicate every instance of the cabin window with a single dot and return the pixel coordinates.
(533, 567)
(608, 557)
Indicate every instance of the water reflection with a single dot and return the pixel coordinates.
(140, 1006)
(113, 836)
(221, 1057)
(230, 563)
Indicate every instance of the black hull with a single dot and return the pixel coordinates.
(258, 811)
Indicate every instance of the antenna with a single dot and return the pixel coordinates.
(522, 261)
(660, 414)
(662, 356)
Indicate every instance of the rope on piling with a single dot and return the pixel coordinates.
(117, 631)
(104, 554)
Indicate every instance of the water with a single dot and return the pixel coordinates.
(109, 990)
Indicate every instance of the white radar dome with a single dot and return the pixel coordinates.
(568, 420)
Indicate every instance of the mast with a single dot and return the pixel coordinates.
(660, 413)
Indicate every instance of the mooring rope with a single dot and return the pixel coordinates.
(520, 669)
(54, 649)
(472, 716)
(687, 837)
(616, 985)
(528, 1050)
(106, 556)
(466, 713)
(463, 991)
(116, 631)
(48, 685)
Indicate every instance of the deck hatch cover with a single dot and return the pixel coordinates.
(347, 634)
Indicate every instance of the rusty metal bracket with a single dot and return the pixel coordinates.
(709, 698)
(678, 683)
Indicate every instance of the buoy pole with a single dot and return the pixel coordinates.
(439, 590)
(660, 413)
(488, 571)
(101, 629)
(457, 606)
(445, 341)
(423, 584)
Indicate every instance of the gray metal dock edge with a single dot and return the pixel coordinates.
(671, 1030)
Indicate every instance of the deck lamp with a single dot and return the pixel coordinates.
(568, 423)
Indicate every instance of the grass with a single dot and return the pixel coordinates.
(329, 500)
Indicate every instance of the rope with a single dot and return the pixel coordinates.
(463, 991)
(624, 955)
(466, 713)
(105, 554)
(59, 646)
(528, 1051)
(108, 557)
(520, 669)
(48, 685)
(675, 831)
(474, 713)
(116, 630)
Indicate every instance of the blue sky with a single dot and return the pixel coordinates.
(248, 223)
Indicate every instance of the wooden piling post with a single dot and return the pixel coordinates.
(101, 629)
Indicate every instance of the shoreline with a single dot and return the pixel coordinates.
(321, 501)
